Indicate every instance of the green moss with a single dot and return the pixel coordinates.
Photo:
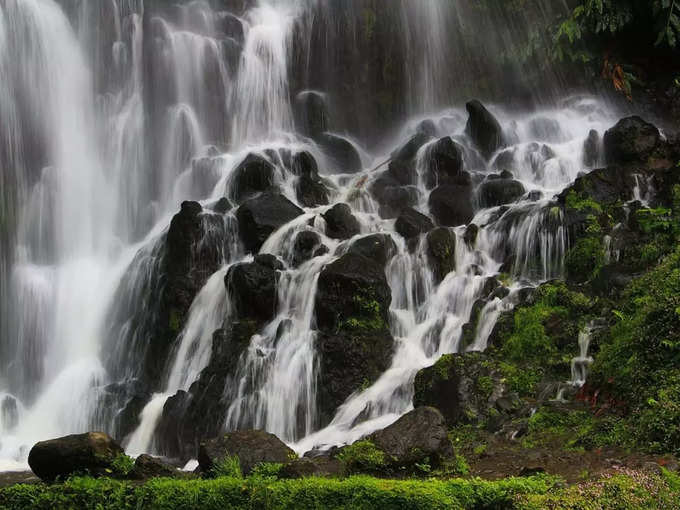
(529, 339)
(363, 457)
(485, 386)
(368, 315)
(522, 380)
(175, 321)
(582, 203)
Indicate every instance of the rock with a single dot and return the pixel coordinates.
(270, 261)
(451, 205)
(306, 244)
(304, 164)
(353, 288)
(630, 140)
(546, 130)
(253, 175)
(311, 113)
(316, 466)
(501, 191)
(531, 471)
(427, 127)
(341, 223)
(464, 387)
(260, 216)
(402, 173)
(147, 467)
(393, 197)
(344, 155)
(441, 248)
(222, 206)
(418, 435)
(252, 447)
(445, 162)
(378, 247)
(410, 224)
(252, 287)
(311, 192)
(505, 160)
(409, 150)
(470, 236)
(484, 129)
(92, 453)
(591, 149)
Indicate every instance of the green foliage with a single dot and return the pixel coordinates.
(522, 380)
(369, 315)
(122, 465)
(585, 259)
(529, 338)
(363, 457)
(582, 203)
(267, 470)
(229, 466)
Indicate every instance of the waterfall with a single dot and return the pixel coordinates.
(113, 114)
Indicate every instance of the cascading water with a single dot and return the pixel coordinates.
(113, 115)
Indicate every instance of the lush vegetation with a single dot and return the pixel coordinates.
(633, 491)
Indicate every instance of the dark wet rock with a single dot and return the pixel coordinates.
(506, 174)
(451, 205)
(343, 154)
(418, 435)
(311, 192)
(535, 195)
(470, 236)
(304, 164)
(392, 196)
(232, 27)
(546, 130)
(408, 151)
(91, 453)
(403, 173)
(378, 247)
(630, 140)
(306, 244)
(484, 129)
(469, 330)
(341, 223)
(445, 162)
(311, 113)
(505, 160)
(495, 192)
(147, 467)
(270, 261)
(252, 447)
(591, 149)
(441, 248)
(222, 206)
(410, 224)
(260, 216)
(465, 388)
(252, 287)
(316, 466)
(253, 175)
(427, 127)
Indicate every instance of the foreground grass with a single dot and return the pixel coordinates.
(631, 490)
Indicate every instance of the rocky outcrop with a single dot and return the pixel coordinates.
(311, 113)
(252, 287)
(445, 162)
(630, 140)
(253, 175)
(340, 222)
(305, 247)
(441, 249)
(344, 157)
(410, 224)
(92, 453)
(484, 129)
(377, 247)
(252, 447)
(497, 190)
(260, 216)
(451, 205)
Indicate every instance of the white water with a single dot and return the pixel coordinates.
(94, 210)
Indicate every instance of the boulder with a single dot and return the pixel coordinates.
(591, 149)
(427, 127)
(305, 246)
(408, 151)
(378, 247)
(340, 222)
(418, 435)
(441, 249)
(91, 453)
(253, 175)
(495, 192)
(252, 447)
(252, 287)
(392, 196)
(484, 129)
(316, 466)
(311, 113)
(260, 216)
(451, 205)
(311, 192)
(630, 140)
(410, 224)
(343, 154)
(304, 164)
(147, 467)
(445, 162)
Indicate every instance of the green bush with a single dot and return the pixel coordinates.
(229, 466)
(122, 465)
(363, 457)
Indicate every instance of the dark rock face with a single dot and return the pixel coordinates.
(254, 175)
(451, 205)
(484, 129)
(147, 467)
(631, 139)
(345, 157)
(262, 215)
(250, 446)
(410, 149)
(311, 192)
(306, 244)
(355, 345)
(341, 223)
(311, 113)
(304, 164)
(445, 163)
(410, 224)
(419, 434)
(441, 248)
(378, 247)
(316, 466)
(591, 149)
(495, 192)
(252, 288)
(392, 196)
(466, 388)
(92, 453)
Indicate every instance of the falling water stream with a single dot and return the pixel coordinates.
(113, 115)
